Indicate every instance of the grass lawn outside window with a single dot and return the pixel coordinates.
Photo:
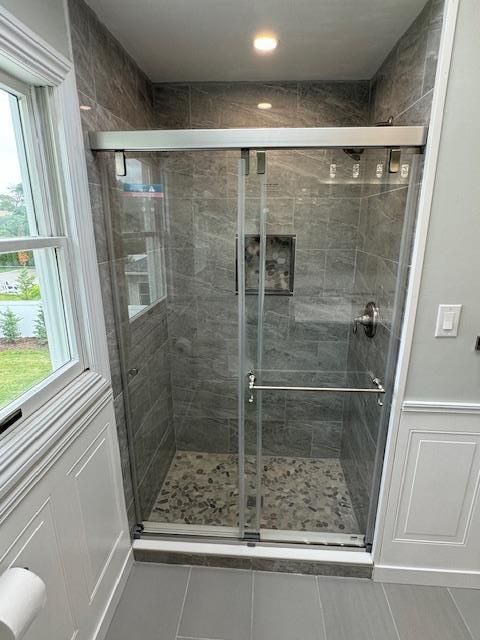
(22, 365)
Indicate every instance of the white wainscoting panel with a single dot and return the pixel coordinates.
(442, 472)
(432, 527)
(70, 528)
(37, 549)
(100, 516)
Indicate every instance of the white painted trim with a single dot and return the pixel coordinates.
(115, 596)
(418, 255)
(32, 242)
(25, 55)
(273, 552)
(89, 297)
(421, 406)
(24, 50)
(426, 576)
(28, 452)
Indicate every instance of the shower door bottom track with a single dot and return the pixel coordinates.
(266, 535)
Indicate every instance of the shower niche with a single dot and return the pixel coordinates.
(279, 264)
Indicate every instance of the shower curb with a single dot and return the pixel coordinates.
(342, 562)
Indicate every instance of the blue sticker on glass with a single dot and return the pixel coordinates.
(143, 190)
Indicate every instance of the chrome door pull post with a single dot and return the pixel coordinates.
(381, 389)
(251, 386)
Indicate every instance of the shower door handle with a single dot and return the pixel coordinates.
(378, 389)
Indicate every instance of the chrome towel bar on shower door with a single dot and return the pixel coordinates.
(378, 389)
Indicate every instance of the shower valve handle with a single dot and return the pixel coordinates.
(368, 319)
(364, 320)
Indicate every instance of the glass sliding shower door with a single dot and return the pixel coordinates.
(257, 309)
(332, 239)
(252, 213)
(173, 224)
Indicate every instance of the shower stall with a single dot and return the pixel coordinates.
(259, 278)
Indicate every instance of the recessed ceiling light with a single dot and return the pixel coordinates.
(85, 107)
(264, 105)
(265, 43)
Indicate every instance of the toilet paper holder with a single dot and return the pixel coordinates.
(23, 595)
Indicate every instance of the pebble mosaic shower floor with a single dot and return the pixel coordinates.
(301, 494)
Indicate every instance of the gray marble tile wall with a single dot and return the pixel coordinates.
(402, 87)
(377, 265)
(305, 336)
(118, 95)
(224, 105)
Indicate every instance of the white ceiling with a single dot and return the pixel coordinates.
(205, 40)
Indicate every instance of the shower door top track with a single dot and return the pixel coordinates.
(273, 138)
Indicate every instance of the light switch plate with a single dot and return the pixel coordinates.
(448, 318)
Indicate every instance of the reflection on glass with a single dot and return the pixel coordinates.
(141, 230)
(16, 212)
(33, 337)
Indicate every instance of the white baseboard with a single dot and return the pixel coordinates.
(115, 596)
(427, 576)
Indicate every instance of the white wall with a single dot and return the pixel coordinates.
(448, 369)
(429, 519)
(47, 18)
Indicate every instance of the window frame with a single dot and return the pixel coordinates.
(46, 191)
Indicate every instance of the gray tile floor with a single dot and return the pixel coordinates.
(168, 602)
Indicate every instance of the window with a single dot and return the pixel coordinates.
(38, 332)
(141, 226)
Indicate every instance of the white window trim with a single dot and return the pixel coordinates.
(90, 304)
(42, 200)
(26, 56)
(46, 434)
